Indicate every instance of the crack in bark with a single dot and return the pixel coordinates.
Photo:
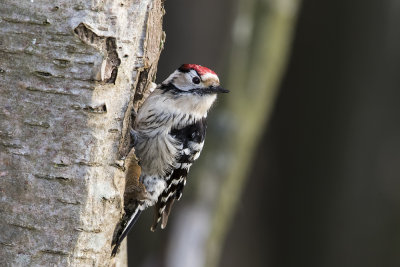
(60, 164)
(60, 179)
(15, 14)
(56, 252)
(91, 109)
(42, 74)
(108, 46)
(89, 163)
(25, 226)
(37, 124)
(35, 89)
(10, 145)
(96, 109)
(68, 202)
(140, 87)
(95, 230)
(7, 244)
(62, 62)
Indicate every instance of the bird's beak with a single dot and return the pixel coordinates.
(219, 89)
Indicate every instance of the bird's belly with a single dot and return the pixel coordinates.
(157, 154)
(155, 185)
(157, 157)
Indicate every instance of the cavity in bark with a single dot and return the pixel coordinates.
(108, 46)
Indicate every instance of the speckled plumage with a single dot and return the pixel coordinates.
(165, 125)
(170, 129)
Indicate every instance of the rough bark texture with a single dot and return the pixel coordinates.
(70, 72)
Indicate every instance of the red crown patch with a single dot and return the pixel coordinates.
(200, 69)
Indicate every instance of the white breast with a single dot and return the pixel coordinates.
(157, 149)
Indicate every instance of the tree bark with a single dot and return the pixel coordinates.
(70, 73)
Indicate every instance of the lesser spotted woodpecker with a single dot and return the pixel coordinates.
(169, 132)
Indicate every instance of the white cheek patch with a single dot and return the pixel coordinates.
(210, 79)
(183, 81)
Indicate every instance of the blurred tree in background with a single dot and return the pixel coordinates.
(323, 185)
(324, 189)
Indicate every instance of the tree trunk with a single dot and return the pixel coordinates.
(70, 73)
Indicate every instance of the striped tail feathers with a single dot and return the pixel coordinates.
(173, 191)
(126, 229)
(162, 211)
(165, 215)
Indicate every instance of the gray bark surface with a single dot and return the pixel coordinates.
(70, 72)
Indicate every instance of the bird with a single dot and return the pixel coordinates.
(169, 132)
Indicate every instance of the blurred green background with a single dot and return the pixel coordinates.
(301, 165)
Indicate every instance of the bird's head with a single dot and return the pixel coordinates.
(193, 79)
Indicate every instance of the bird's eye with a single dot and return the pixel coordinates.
(196, 80)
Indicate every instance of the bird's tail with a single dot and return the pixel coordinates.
(127, 227)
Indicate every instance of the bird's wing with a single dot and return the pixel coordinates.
(191, 139)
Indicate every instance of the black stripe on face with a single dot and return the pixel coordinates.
(208, 90)
(170, 87)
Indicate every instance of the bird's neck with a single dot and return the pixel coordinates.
(198, 105)
(195, 105)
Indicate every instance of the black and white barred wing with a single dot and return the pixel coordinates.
(191, 139)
